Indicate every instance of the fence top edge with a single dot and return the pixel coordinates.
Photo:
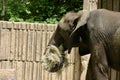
(27, 25)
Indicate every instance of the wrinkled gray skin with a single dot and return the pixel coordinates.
(96, 32)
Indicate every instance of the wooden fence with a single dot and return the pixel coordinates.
(113, 5)
(21, 48)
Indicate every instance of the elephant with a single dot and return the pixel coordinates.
(95, 32)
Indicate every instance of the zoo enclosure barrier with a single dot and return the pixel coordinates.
(22, 45)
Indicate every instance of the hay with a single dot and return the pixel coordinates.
(52, 57)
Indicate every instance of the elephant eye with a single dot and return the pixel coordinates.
(68, 31)
(66, 21)
(72, 28)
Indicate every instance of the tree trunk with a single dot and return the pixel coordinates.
(3, 9)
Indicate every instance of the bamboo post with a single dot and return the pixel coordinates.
(7, 74)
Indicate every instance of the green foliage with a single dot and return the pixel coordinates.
(43, 11)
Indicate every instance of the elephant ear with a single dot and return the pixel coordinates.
(69, 21)
(83, 20)
(84, 15)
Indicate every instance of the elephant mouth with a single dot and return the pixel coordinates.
(53, 60)
(59, 65)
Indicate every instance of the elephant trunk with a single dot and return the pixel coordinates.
(53, 60)
(70, 42)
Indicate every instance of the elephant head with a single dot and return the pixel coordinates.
(69, 33)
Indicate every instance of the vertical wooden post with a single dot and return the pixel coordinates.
(87, 5)
(90, 4)
(7, 74)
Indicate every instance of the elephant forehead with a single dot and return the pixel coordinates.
(71, 15)
(63, 25)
